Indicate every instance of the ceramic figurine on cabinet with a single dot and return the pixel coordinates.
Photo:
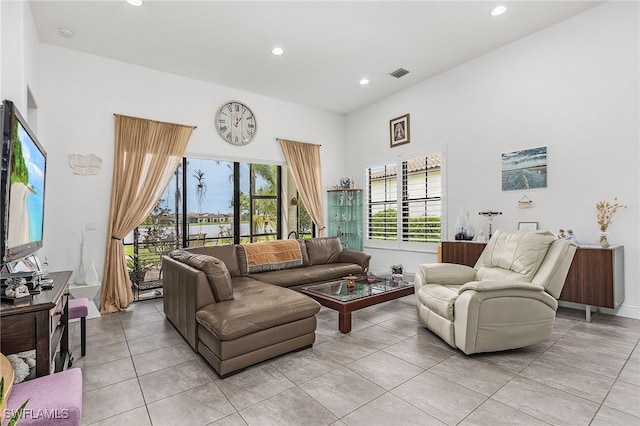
(571, 237)
(568, 235)
(17, 290)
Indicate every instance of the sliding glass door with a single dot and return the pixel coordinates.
(209, 202)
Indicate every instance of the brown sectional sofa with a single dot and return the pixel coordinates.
(264, 317)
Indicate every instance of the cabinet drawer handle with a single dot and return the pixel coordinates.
(59, 313)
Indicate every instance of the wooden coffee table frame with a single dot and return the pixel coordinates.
(345, 308)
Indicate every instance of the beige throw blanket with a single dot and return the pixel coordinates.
(272, 255)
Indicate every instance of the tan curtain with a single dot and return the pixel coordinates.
(303, 160)
(147, 154)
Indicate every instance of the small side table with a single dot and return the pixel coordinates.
(89, 291)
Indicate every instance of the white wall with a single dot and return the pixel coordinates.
(2, 48)
(572, 87)
(19, 57)
(82, 92)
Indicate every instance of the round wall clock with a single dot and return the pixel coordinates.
(236, 123)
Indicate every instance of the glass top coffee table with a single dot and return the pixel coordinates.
(337, 296)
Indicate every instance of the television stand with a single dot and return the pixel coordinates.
(40, 324)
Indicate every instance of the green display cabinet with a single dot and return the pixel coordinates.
(345, 217)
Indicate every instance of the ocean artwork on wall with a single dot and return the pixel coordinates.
(524, 169)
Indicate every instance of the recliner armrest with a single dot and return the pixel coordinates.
(494, 285)
(447, 273)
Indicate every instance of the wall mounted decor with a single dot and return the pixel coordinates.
(236, 123)
(399, 130)
(89, 164)
(490, 215)
(525, 203)
(524, 169)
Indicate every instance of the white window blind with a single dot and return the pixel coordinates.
(405, 199)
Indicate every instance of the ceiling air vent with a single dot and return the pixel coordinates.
(400, 72)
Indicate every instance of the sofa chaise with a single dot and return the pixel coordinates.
(236, 305)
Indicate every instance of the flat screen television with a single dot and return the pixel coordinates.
(22, 192)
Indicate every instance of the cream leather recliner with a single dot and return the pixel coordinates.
(506, 301)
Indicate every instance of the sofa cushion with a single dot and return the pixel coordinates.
(305, 253)
(272, 255)
(215, 270)
(324, 250)
(256, 306)
(229, 254)
(519, 251)
(308, 274)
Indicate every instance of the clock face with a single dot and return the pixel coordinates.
(236, 123)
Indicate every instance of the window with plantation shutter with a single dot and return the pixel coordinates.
(404, 201)
(421, 199)
(383, 203)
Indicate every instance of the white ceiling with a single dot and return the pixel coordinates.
(329, 45)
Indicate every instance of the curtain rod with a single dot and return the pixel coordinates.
(157, 121)
(278, 140)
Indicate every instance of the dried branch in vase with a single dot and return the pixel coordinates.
(606, 210)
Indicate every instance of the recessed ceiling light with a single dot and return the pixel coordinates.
(364, 81)
(278, 51)
(499, 10)
(135, 2)
(65, 33)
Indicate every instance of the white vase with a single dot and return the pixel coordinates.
(91, 275)
(79, 279)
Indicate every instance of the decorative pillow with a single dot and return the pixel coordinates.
(227, 253)
(215, 270)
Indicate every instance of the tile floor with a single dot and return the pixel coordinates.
(388, 371)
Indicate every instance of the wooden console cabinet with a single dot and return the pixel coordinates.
(41, 324)
(462, 252)
(595, 278)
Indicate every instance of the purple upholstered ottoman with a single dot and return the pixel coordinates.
(78, 308)
(54, 400)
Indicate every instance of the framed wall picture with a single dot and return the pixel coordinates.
(399, 130)
(526, 169)
(528, 226)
